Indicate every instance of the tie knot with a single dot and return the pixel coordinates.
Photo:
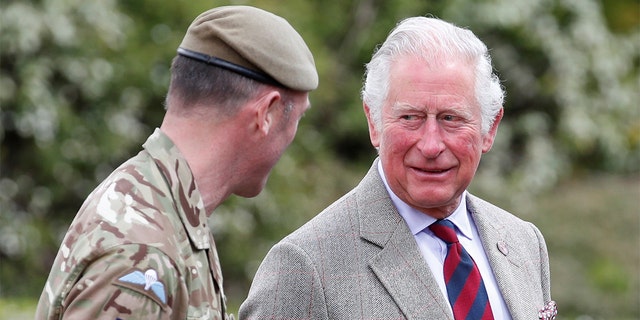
(445, 230)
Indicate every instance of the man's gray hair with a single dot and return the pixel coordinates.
(435, 41)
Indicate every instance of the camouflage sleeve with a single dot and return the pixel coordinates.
(133, 281)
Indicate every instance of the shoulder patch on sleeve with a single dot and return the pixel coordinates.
(146, 283)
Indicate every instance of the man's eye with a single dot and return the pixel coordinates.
(408, 117)
(449, 118)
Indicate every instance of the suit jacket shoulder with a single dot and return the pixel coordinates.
(357, 259)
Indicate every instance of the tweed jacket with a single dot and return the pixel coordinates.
(358, 260)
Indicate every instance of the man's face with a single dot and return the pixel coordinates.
(430, 140)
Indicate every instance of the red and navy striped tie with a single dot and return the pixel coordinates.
(466, 291)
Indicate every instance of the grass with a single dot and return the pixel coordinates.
(592, 230)
(17, 309)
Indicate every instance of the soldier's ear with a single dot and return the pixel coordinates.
(266, 108)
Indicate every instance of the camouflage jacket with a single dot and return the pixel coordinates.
(139, 248)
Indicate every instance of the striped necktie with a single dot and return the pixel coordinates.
(466, 291)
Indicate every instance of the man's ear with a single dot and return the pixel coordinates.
(489, 137)
(266, 108)
(373, 132)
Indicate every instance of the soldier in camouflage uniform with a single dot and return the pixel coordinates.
(140, 246)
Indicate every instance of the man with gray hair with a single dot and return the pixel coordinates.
(410, 242)
(140, 246)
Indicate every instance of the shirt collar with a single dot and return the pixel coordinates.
(186, 197)
(418, 221)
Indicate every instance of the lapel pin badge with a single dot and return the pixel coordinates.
(502, 246)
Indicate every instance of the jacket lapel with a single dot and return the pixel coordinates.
(506, 261)
(402, 271)
(399, 265)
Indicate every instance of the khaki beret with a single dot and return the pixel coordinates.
(254, 43)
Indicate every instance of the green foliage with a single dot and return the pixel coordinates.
(572, 89)
(16, 309)
(82, 84)
(59, 133)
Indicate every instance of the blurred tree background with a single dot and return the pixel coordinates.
(82, 85)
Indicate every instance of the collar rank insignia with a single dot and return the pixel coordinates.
(149, 279)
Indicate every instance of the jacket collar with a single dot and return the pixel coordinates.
(184, 191)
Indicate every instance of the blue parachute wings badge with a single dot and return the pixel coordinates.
(148, 279)
(136, 277)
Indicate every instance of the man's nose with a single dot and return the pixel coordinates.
(431, 144)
